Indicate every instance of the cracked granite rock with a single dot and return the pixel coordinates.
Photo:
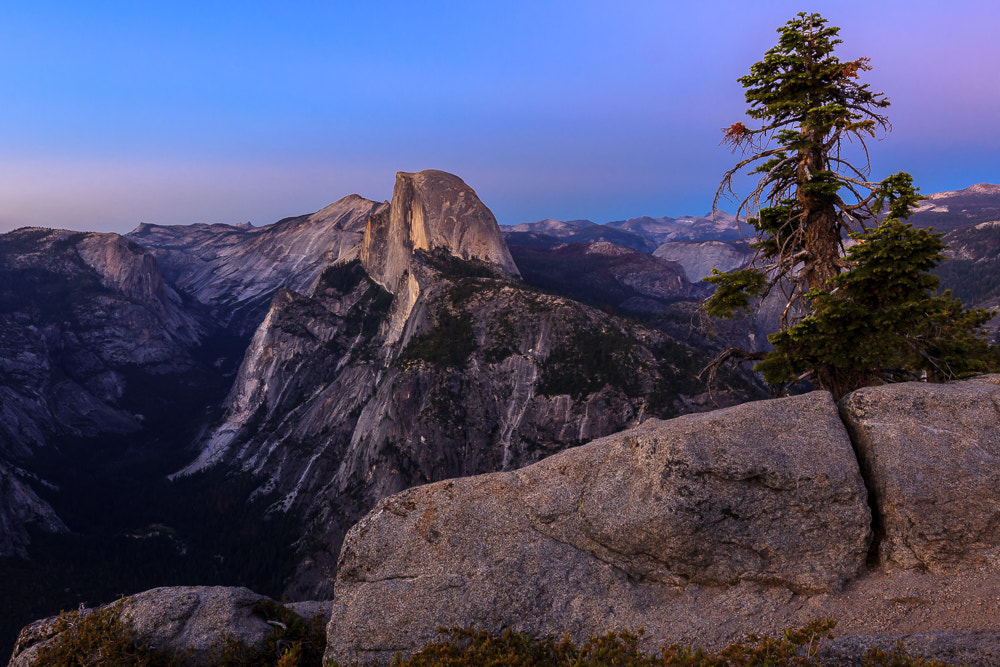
(599, 537)
(931, 455)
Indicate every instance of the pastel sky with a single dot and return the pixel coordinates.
(177, 112)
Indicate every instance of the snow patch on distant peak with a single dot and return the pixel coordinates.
(977, 189)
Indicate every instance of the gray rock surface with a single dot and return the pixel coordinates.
(196, 619)
(931, 455)
(21, 508)
(234, 270)
(601, 536)
(699, 258)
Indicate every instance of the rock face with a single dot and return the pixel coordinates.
(193, 619)
(700, 529)
(909, 434)
(948, 211)
(21, 508)
(234, 270)
(599, 536)
(607, 275)
(699, 258)
(330, 418)
(88, 325)
(431, 210)
(434, 212)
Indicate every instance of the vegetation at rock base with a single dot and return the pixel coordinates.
(103, 638)
(808, 195)
(794, 648)
(100, 637)
(295, 642)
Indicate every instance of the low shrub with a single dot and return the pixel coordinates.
(100, 638)
(295, 641)
(477, 648)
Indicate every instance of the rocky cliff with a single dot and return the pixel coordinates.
(426, 359)
(607, 275)
(89, 326)
(235, 270)
(431, 210)
(699, 257)
(21, 509)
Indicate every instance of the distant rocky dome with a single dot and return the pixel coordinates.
(699, 258)
(431, 209)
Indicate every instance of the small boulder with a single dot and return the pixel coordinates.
(931, 456)
(198, 620)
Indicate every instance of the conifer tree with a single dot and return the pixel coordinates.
(808, 198)
(880, 320)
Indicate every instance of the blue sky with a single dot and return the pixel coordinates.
(119, 112)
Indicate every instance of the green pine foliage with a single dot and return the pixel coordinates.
(882, 319)
(809, 103)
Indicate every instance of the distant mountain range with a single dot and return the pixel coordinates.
(643, 233)
(945, 211)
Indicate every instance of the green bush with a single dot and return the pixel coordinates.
(295, 642)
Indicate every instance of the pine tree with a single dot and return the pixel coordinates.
(808, 198)
(881, 320)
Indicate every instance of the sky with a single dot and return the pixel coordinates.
(115, 113)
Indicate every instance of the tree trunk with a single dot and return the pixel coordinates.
(819, 223)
